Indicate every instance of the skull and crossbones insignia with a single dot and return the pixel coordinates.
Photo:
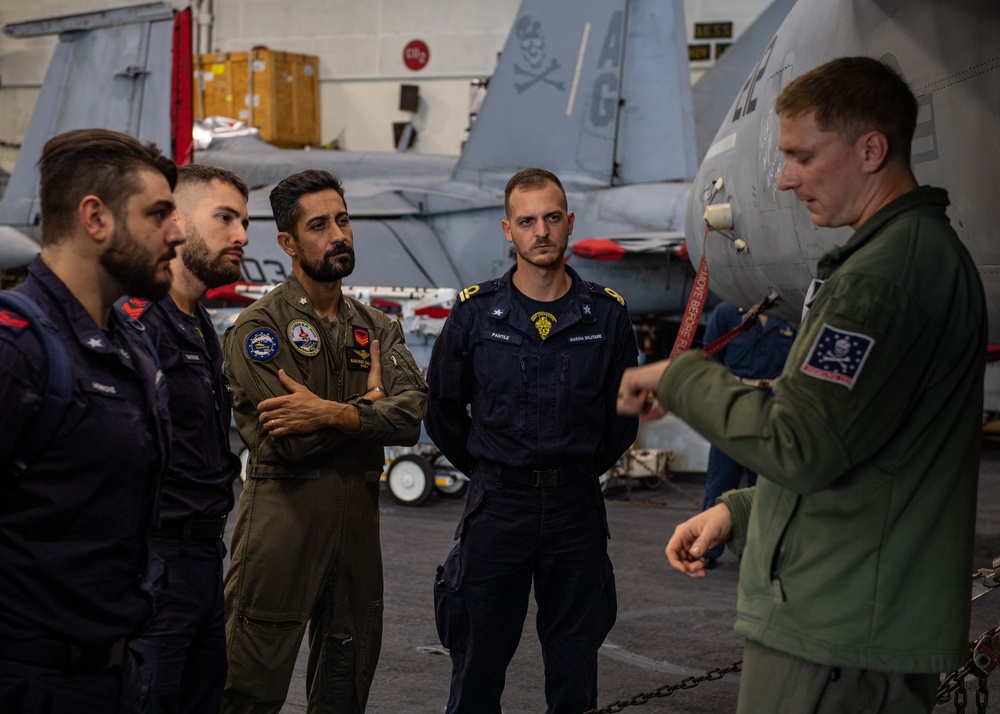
(838, 355)
(532, 43)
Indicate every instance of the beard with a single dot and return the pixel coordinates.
(133, 267)
(327, 271)
(546, 260)
(213, 271)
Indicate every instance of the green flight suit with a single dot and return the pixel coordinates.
(857, 541)
(306, 544)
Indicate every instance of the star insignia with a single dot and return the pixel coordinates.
(303, 301)
(94, 343)
(497, 312)
(586, 309)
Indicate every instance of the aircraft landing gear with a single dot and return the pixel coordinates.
(411, 480)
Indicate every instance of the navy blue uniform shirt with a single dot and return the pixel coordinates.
(75, 527)
(760, 352)
(199, 480)
(536, 404)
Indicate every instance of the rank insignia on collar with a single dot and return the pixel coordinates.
(359, 360)
(303, 337)
(261, 345)
(498, 312)
(303, 301)
(361, 336)
(586, 309)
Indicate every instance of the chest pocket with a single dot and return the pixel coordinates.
(502, 383)
(582, 374)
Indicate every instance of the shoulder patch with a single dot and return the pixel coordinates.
(261, 345)
(606, 292)
(480, 289)
(9, 318)
(838, 356)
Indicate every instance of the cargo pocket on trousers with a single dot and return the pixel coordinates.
(259, 645)
(450, 612)
(338, 684)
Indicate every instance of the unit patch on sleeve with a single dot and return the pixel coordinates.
(261, 345)
(837, 356)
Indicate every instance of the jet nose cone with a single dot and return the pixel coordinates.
(16, 249)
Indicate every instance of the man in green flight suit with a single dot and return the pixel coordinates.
(856, 542)
(321, 382)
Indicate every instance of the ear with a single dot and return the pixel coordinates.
(505, 224)
(874, 148)
(96, 218)
(570, 218)
(287, 243)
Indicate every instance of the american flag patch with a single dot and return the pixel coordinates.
(837, 356)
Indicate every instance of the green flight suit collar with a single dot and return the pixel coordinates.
(295, 295)
(919, 197)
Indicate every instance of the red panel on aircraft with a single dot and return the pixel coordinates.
(598, 249)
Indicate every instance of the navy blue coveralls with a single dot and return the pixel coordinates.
(75, 525)
(185, 646)
(542, 429)
(757, 354)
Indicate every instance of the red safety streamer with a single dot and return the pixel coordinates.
(695, 306)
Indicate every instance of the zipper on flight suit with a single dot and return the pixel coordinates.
(779, 551)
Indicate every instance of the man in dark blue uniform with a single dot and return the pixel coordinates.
(184, 647)
(757, 356)
(76, 513)
(538, 353)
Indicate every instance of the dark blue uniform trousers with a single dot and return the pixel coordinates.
(510, 535)
(723, 475)
(185, 646)
(27, 688)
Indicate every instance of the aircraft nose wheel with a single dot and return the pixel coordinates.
(411, 480)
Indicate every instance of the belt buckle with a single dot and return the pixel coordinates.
(546, 479)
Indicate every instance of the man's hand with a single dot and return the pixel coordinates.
(375, 375)
(695, 536)
(298, 412)
(637, 393)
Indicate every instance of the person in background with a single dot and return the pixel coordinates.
(756, 357)
(184, 648)
(538, 354)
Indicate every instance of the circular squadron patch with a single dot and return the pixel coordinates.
(262, 345)
(303, 337)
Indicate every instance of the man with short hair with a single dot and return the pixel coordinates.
(538, 354)
(321, 382)
(76, 512)
(857, 539)
(184, 647)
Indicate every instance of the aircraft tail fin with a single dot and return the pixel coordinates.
(600, 95)
(111, 69)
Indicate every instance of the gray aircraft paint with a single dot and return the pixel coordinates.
(596, 91)
(948, 54)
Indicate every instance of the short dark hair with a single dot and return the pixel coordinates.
(285, 196)
(205, 173)
(100, 162)
(531, 180)
(854, 95)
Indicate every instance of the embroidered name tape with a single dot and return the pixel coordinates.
(498, 336)
(596, 337)
(838, 356)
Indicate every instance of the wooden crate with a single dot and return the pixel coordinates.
(277, 92)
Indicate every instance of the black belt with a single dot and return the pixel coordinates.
(65, 655)
(207, 528)
(539, 478)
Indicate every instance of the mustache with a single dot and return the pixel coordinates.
(338, 249)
